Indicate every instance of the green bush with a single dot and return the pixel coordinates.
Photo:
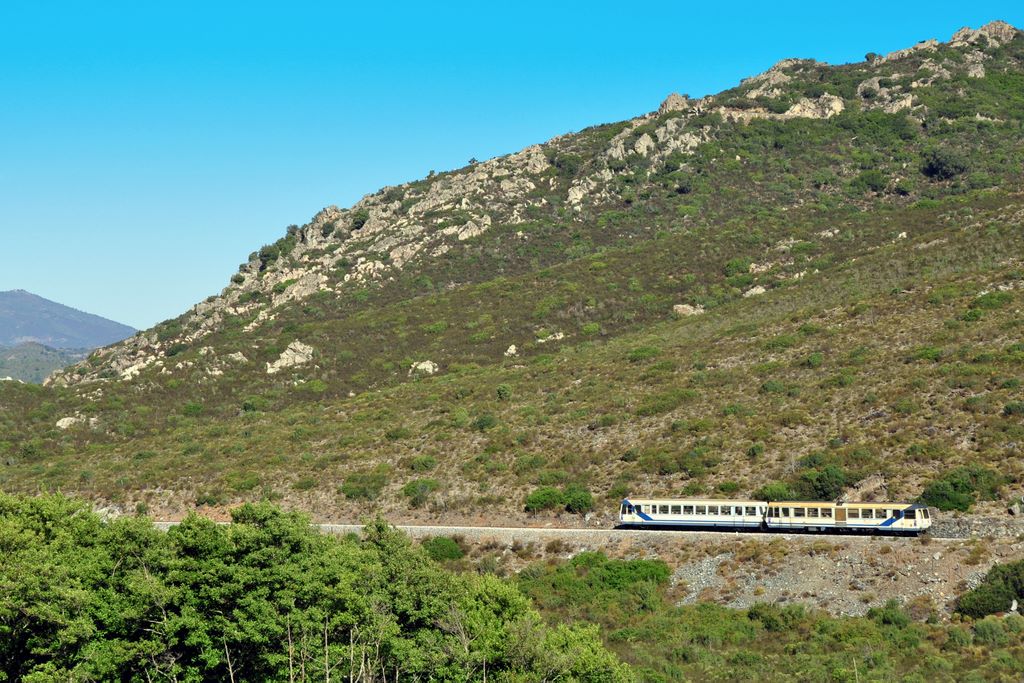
(397, 433)
(366, 485)
(871, 180)
(192, 409)
(484, 422)
(543, 498)
(1003, 584)
(418, 490)
(1013, 408)
(423, 463)
(443, 549)
(254, 404)
(959, 489)
(775, 491)
(942, 164)
(577, 499)
(642, 353)
(503, 392)
(989, 631)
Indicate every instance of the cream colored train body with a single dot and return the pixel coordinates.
(889, 518)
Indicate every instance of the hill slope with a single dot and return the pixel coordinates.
(807, 278)
(32, 362)
(26, 317)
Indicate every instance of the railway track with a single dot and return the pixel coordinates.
(527, 534)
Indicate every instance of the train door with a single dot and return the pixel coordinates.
(840, 516)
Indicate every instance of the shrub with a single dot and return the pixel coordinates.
(192, 409)
(443, 549)
(423, 463)
(543, 498)
(775, 491)
(1014, 408)
(366, 485)
(736, 266)
(1003, 584)
(304, 484)
(359, 218)
(175, 349)
(814, 360)
(397, 433)
(642, 353)
(484, 422)
(959, 489)
(577, 499)
(254, 404)
(990, 631)
(942, 164)
(871, 180)
(889, 615)
(418, 490)
(503, 392)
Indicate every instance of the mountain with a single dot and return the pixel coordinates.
(32, 362)
(809, 278)
(25, 317)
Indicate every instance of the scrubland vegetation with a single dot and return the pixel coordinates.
(269, 598)
(265, 598)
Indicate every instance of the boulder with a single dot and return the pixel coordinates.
(297, 353)
(683, 310)
(423, 367)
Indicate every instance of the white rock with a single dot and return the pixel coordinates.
(511, 351)
(424, 367)
(68, 422)
(754, 291)
(238, 357)
(297, 353)
(683, 310)
(552, 337)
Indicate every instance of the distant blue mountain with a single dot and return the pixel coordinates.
(25, 317)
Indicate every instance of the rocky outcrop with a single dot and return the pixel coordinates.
(685, 310)
(297, 353)
(400, 227)
(423, 367)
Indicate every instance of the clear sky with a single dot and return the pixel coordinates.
(147, 148)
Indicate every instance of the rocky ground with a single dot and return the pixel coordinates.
(842, 575)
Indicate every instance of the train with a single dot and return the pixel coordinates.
(908, 519)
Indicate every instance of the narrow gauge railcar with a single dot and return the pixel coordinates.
(894, 518)
(693, 513)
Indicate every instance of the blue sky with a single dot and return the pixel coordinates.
(148, 148)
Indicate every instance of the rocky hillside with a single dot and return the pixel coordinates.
(815, 272)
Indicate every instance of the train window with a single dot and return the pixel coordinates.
(812, 512)
(712, 509)
(625, 509)
(663, 510)
(798, 512)
(750, 511)
(826, 512)
(639, 509)
(676, 509)
(926, 515)
(853, 513)
(687, 509)
(785, 512)
(726, 510)
(702, 510)
(867, 513)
